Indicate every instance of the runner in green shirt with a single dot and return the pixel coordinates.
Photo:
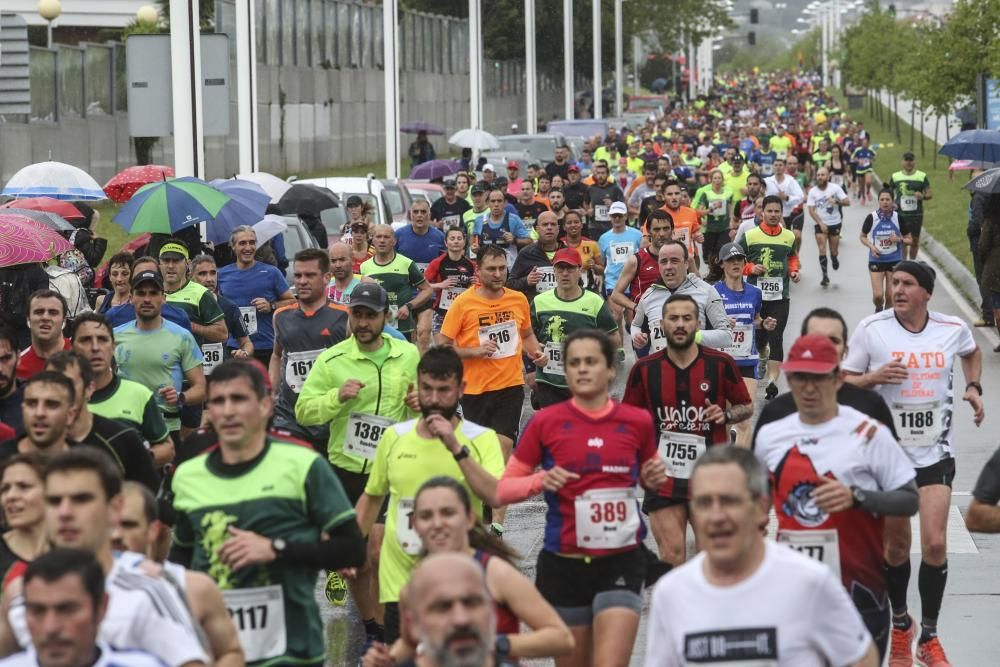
(399, 277)
(262, 517)
(911, 188)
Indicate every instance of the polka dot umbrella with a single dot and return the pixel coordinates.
(24, 241)
(124, 184)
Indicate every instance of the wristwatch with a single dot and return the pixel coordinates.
(181, 402)
(859, 496)
(977, 386)
(463, 453)
(279, 545)
(729, 416)
(502, 646)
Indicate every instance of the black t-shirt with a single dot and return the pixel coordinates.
(863, 400)
(442, 210)
(561, 169)
(530, 212)
(574, 194)
(647, 206)
(10, 409)
(126, 448)
(987, 488)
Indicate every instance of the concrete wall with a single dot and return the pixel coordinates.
(309, 120)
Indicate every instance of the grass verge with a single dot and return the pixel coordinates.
(946, 214)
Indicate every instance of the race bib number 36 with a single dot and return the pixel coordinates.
(606, 519)
(259, 617)
(213, 356)
(363, 433)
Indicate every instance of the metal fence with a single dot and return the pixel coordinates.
(90, 79)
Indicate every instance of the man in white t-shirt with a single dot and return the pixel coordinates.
(835, 473)
(745, 599)
(907, 355)
(823, 202)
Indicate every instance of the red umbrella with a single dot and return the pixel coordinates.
(63, 209)
(124, 184)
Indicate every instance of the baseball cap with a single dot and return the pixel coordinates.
(174, 251)
(148, 277)
(618, 208)
(370, 295)
(567, 256)
(813, 354)
(479, 188)
(573, 167)
(489, 167)
(355, 200)
(449, 183)
(738, 157)
(731, 250)
(513, 164)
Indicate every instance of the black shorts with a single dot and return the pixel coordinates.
(916, 225)
(191, 416)
(653, 502)
(713, 243)
(942, 472)
(748, 371)
(499, 410)
(831, 230)
(797, 222)
(880, 267)
(547, 394)
(354, 486)
(579, 588)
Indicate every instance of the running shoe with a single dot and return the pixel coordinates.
(825, 281)
(336, 589)
(931, 654)
(901, 646)
(835, 262)
(771, 392)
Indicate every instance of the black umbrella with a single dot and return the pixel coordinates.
(987, 182)
(306, 199)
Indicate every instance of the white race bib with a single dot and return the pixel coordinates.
(363, 433)
(620, 252)
(405, 535)
(682, 234)
(908, 203)
(297, 367)
(657, 339)
(918, 424)
(821, 545)
(505, 335)
(422, 266)
(837, 179)
(606, 519)
(554, 366)
(249, 315)
(547, 281)
(451, 221)
(679, 451)
(448, 296)
(213, 356)
(771, 289)
(742, 342)
(601, 213)
(259, 617)
(885, 245)
(715, 206)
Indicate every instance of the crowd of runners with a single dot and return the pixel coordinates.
(185, 467)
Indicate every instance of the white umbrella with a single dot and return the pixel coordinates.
(479, 140)
(271, 184)
(269, 227)
(53, 179)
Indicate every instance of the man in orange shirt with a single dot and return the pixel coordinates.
(687, 226)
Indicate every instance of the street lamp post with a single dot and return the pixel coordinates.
(246, 84)
(619, 61)
(598, 83)
(185, 76)
(568, 92)
(50, 11)
(475, 65)
(390, 44)
(531, 84)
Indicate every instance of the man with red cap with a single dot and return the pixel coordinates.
(513, 178)
(835, 473)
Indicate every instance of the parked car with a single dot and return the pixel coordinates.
(296, 238)
(369, 189)
(429, 192)
(539, 148)
(585, 128)
(399, 199)
(658, 104)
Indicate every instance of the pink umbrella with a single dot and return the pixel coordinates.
(969, 165)
(24, 241)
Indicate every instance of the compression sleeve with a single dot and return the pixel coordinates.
(904, 501)
(518, 482)
(345, 548)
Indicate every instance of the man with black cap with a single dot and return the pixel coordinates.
(360, 387)
(907, 355)
(835, 472)
(159, 354)
(911, 188)
(479, 208)
(447, 211)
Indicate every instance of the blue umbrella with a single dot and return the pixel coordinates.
(983, 145)
(247, 204)
(434, 169)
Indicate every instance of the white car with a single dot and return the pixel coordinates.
(371, 190)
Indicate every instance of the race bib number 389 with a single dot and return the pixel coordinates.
(606, 519)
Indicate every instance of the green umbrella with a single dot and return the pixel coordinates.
(169, 206)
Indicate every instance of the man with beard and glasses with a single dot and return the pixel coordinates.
(11, 391)
(410, 453)
(159, 354)
(451, 613)
(361, 387)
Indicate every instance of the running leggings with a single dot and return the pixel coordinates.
(775, 339)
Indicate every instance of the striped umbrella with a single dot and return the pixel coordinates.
(53, 179)
(170, 206)
(24, 241)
